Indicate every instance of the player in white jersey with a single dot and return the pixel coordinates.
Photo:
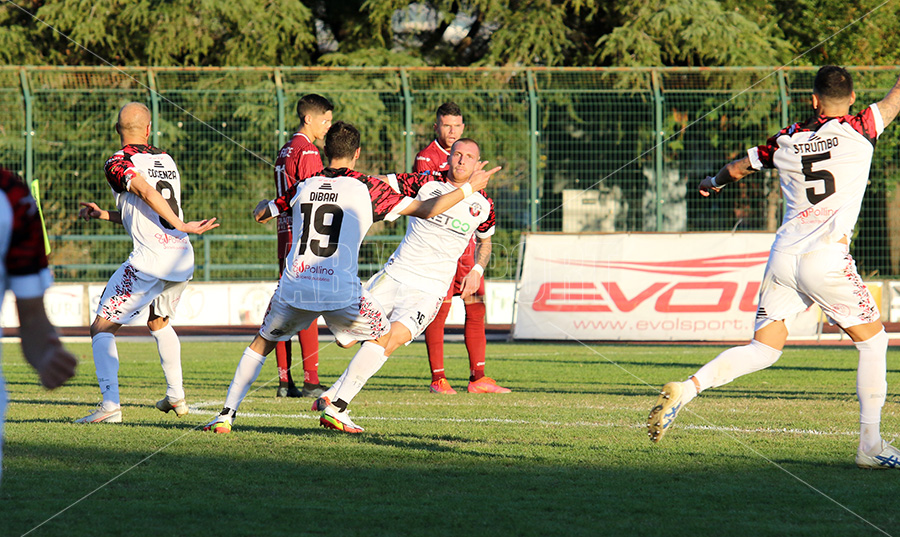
(23, 269)
(147, 187)
(331, 214)
(414, 281)
(824, 167)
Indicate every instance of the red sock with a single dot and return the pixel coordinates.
(309, 347)
(476, 342)
(434, 342)
(283, 358)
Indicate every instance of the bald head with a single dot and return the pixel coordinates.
(134, 123)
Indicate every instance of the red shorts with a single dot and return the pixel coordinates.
(463, 267)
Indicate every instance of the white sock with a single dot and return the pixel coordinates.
(736, 362)
(871, 389)
(365, 363)
(170, 358)
(330, 392)
(106, 362)
(247, 370)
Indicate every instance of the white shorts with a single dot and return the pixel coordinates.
(129, 291)
(410, 307)
(826, 277)
(361, 321)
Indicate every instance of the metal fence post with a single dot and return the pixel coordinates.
(154, 106)
(29, 127)
(782, 90)
(279, 97)
(658, 148)
(533, 134)
(407, 119)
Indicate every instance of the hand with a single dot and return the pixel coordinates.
(92, 210)
(57, 365)
(706, 187)
(479, 178)
(261, 212)
(470, 283)
(199, 227)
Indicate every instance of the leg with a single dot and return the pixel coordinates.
(283, 352)
(106, 363)
(476, 345)
(871, 383)
(309, 347)
(169, 354)
(434, 343)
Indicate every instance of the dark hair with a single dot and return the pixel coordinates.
(312, 104)
(833, 83)
(341, 141)
(468, 141)
(448, 109)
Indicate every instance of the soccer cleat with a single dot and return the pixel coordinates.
(179, 406)
(288, 391)
(888, 458)
(442, 386)
(486, 385)
(312, 390)
(103, 416)
(663, 414)
(222, 423)
(320, 403)
(332, 418)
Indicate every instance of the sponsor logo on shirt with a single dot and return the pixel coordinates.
(475, 209)
(300, 267)
(451, 224)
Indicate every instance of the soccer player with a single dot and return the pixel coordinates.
(24, 271)
(412, 284)
(448, 128)
(334, 211)
(147, 187)
(297, 160)
(824, 166)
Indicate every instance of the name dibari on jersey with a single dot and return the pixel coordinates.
(323, 196)
(816, 146)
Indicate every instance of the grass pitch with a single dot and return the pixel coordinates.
(565, 454)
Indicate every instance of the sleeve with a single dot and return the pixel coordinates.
(487, 228)
(283, 202)
(763, 156)
(409, 184)
(386, 202)
(119, 171)
(869, 123)
(26, 260)
(422, 163)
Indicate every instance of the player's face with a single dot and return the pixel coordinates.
(448, 129)
(463, 159)
(320, 123)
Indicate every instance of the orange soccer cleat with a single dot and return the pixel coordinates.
(442, 386)
(486, 385)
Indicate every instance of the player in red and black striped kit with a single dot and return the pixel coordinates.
(297, 160)
(448, 128)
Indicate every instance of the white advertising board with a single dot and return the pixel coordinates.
(641, 287)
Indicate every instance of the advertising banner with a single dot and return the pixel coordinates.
(641, 287)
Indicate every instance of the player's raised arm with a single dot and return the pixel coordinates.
(890, 105)
(437, 205)
(730, 173)
(142, 189)
(91, 210)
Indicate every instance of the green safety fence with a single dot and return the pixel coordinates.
(582, 150)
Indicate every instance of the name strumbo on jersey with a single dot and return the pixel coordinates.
(816, 146)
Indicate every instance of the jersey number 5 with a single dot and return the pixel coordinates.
(821, 175)
(331, 230)
(168, 193)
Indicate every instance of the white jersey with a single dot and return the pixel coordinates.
(824, 169)
(427, 257)
(160, 250)
(331, 215)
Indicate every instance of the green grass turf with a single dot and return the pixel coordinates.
(565, 454)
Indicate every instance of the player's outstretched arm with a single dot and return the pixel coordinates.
(730, 173)
(890, 105)
(142, 189)
(41, 346)
(91, 210)
(437, 205)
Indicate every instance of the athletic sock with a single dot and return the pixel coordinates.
(106, 363)
(170, 358)
(476, 341)
(735, 362)
(309, 347)
(247, 370)
(871, 389)
(283, 359)
(434, 342)
(365, 363)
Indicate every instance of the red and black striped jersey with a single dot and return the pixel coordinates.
(22, 232)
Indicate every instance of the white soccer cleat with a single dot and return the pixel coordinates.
(223, 422)
(888, 458)
(333, 418)
(166, 404)
(664, 412)
(103, 416)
